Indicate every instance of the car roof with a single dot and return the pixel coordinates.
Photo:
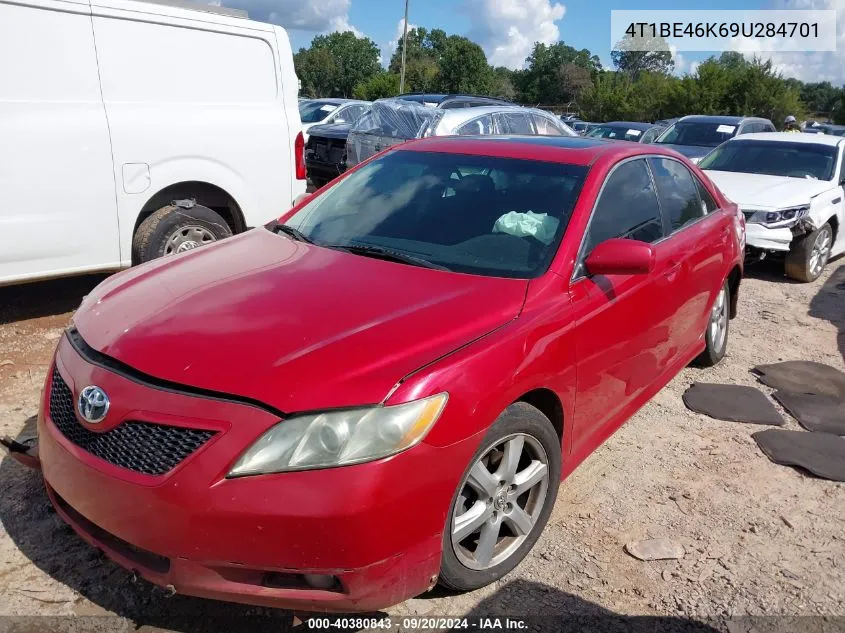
(789, 137)
(575, 150)
(333, 100)
(707, 118)
(436, 97)
(457, 115)
(634, 125)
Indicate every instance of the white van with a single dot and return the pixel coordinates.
(112, 110)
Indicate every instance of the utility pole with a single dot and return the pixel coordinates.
(404, 50)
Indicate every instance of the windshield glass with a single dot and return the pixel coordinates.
(698, 133)
(483, 215)
(617, 132)
(315, 111)
(794, 160)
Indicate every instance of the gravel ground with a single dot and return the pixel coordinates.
(760, 539)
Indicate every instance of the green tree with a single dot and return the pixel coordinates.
(544, 79)
(384, 84)
(335, 63)
(634, 55)
(463, 67)
(502, 83)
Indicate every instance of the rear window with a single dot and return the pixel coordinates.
(473, 214)
(315, 111)
(615, 132)
(774, 158)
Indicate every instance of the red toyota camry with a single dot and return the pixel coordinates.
(383, 390)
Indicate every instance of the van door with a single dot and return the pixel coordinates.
(58, 210)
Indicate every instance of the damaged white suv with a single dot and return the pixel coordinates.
(790, 188)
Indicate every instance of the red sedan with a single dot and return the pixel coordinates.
(384, 390)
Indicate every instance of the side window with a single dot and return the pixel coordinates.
(514, 123)
(545, 126)
(481, 125)
(627, 207)
(453, 103)
(708, 204)
(677, 191)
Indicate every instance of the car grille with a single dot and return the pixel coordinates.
(143, 447)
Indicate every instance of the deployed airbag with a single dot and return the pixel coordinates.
(733, 403)
(540, 226)
(822, 414)
(822, 454)
(803, 376)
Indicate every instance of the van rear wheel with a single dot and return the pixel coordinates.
(177, 228)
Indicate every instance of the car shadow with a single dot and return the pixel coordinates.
(45, 298)
(829, 304)
(769, 269)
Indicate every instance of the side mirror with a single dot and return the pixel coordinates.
(620, 257)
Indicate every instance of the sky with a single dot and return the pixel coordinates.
(507, 29)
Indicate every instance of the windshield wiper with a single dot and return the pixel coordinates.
(293, 233)
(377, 252)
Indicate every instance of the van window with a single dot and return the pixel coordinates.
(46, 56)
(157, 63)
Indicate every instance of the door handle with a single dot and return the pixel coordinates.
(673, 266)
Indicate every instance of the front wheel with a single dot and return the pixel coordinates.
(716, 334)
(809, 254)
(175, 229)
(503, 500)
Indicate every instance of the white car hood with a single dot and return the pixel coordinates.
(760, 191)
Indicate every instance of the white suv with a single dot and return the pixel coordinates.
(112, 110)
(790, 188)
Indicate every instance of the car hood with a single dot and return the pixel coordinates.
(756, 190)
(295, 326)
(690, 151)
(332, 130)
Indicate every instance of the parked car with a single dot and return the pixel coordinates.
(325, 152)
(177, 129)
(393, 121)
(828, 128)
(327, 111)
(651, 134)
(448, 101)
(695, 135)
(666, 122)
(619, 131)
(581, 127)
(413, 331)
(790, 188)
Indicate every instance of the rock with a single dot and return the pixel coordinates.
(667, 575)
(787, 522)
(655, 549)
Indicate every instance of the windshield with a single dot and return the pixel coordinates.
(698, 133)
(617, 132)
(315, 111)
(794, 160)
(498, 217)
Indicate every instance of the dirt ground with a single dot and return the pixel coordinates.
(760, 539)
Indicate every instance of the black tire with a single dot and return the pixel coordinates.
(799, 259)
(518, 419)
(715, 350)
(154, 237)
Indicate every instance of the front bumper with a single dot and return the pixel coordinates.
(376, 527)
(758, 236)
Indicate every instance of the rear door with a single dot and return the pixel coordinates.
(698, 235)
(57, 213)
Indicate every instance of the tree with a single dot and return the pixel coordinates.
(502, 83)
(463, 67)
(335, 63)
(634, 55)
(384, 84)
(573, 79)
(542, 80)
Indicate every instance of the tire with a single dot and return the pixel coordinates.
(716, 336)
(175, 229)
(462, 569)
(809, 254)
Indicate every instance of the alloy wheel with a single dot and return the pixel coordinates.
(187, 238)
(500, 501)
(719, 320)
(821, 251)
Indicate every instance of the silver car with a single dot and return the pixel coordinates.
(393, 121)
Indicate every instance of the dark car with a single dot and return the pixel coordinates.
(436, 100)
(619, 131)
(325, 152)
(695, 135)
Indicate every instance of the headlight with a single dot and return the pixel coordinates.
(339, 438)
(779, 218)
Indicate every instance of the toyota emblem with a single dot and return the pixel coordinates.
(93, 404)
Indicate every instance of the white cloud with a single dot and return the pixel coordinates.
(809, 67)
(400, 30)
(507, 29)
(319, 16)
(683, 66)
